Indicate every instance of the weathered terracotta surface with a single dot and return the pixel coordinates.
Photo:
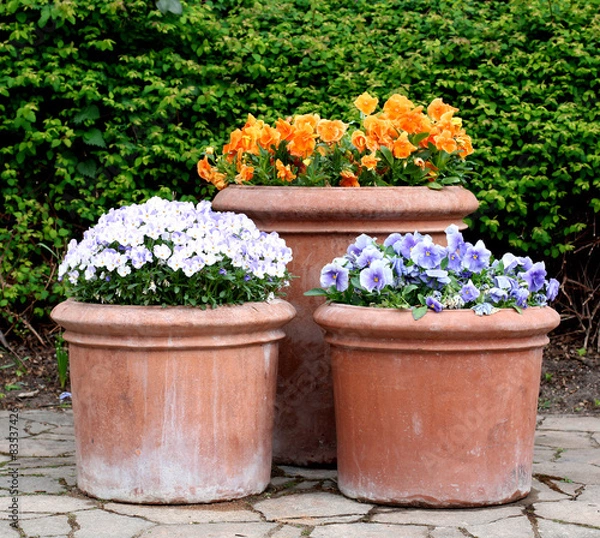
(437, 412)
(173, 405)
(319, 224)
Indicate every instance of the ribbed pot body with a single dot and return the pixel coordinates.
(175, 404)
(319, 224)
(437, 412)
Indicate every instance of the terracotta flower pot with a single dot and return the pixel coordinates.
(175, 404)
(319, 223)
(438, 412)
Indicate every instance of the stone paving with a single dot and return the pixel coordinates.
(564, 502)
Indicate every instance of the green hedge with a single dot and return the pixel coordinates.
(107, 102)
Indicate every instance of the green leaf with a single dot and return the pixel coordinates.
(316, 292)
(417, 138)
(418, 312)
(89, 113)
(93, 137)
(387, 155)
(87, 168)
(44, 16)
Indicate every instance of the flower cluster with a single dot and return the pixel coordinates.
(175, 253)
(400, 145)
(411, 271)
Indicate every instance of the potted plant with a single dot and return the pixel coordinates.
(173, 329)
(400, 169)
(436, 357)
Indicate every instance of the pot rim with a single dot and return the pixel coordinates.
(370, 327)
(157, 327)
(354, 209)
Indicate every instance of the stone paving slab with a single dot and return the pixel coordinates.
(565, 439)
(447, 517)
(211, 530)
(370, 530)
(101, 524)
(312, 509)
(512, 527)
(186, 515)
(587, 510)
(47, 526)
(299, 503)
(569, 423)
(553, 529)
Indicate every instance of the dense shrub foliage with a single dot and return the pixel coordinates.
(104, 102)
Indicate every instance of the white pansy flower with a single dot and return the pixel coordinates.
(124, 270)
(162, 252)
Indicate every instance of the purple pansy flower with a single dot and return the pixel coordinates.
(535, 276)
(512, 263)
(368, 255)
(552, 289)
(438, 274)
(520, 295)
(497, 295)
(427, 254)
(505, 282)
(407, 243)
(376, 276)
(456, 247)
(398, 265)
(334, 274)
(394, 241)
(360, 243)
(469, 292)
(476, 257)
(434, 304)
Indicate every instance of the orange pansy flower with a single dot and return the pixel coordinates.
(379, 130)
(445, 142)
(370, 161)
(397, 105)
(438, 108)
(250, 121)
(235, 141)
(218, 180)
(306, 119)
(465, 148)
(331, 131)
(413, 121)
(245, 173)
(269, 138)
(285, 129)
(349, 179)
(359, 140)
(204, 169)
(303, 142)
(284, 172)
(366, 104)
(402, 147)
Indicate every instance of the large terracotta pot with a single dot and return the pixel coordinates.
(173, 405)
(319, 223)
(438, 412)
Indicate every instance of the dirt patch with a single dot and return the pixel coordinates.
(570, 380)
(570, 377)
(29, 374)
